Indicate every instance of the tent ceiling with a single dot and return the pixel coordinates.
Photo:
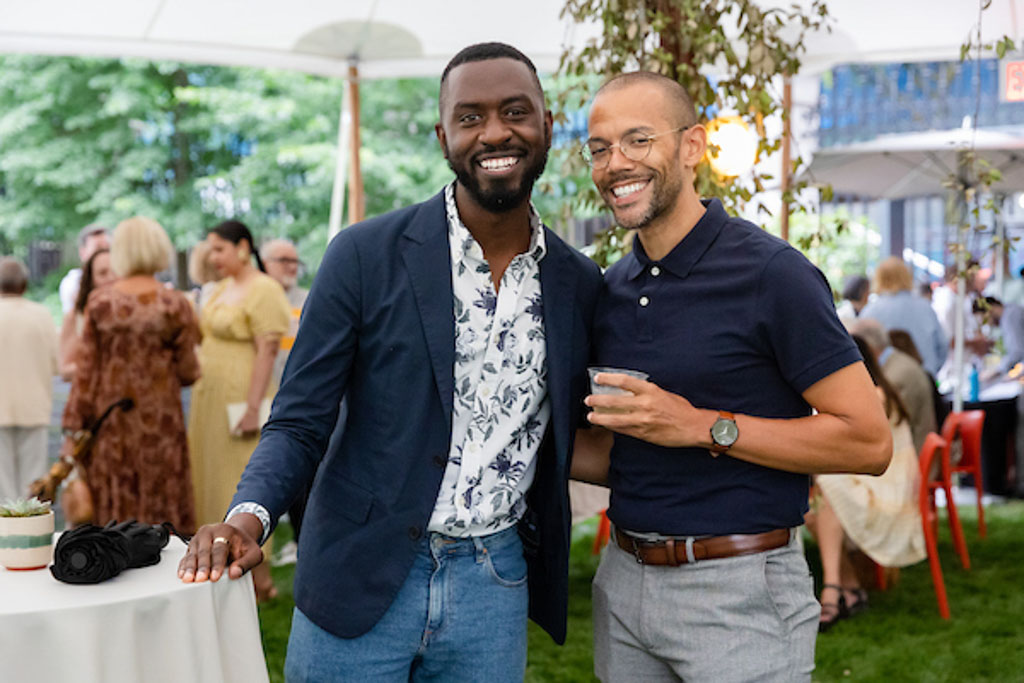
(391, 37)
(417, 37)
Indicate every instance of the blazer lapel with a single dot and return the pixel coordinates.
(558, 289)
(426, 256)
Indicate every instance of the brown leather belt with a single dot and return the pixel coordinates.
(673, 551)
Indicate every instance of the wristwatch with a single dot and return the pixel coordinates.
(723, 433)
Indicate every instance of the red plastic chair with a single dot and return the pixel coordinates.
(933, 445)
(970, 425)
(951, 430)
(604, 532)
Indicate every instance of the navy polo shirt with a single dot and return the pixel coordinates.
(733, 319)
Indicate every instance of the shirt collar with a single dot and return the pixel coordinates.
(685, 255)
(464, 245)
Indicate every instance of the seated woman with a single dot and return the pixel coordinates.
(878, 515)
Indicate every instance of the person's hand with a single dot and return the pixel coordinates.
(990, 374)
(249, 425)
(979, 345)
(650, 413)
(215, 546)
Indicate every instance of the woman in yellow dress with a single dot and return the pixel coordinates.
(242, 322)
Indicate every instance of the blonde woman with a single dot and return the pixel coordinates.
(138, 342)
(242, 323)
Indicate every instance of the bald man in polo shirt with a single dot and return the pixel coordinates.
(709, 459)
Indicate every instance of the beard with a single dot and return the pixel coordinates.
(665, 193)
(502, 195)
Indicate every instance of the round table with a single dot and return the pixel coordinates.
(143, 625)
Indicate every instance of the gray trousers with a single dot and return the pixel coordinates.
(745, 618)
(22, 459)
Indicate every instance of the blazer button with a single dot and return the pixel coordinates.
(440, 460)
(414, 533)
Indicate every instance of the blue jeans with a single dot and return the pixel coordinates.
(459, 616)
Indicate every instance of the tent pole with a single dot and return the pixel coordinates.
(1001, 252)
(356, 209)
(340, 168)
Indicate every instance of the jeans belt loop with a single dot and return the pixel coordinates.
(689, 550)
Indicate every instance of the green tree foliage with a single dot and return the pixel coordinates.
(85, 140)
(746, 48)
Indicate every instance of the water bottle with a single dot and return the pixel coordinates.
(974, 385)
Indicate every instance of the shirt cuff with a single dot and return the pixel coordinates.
(255, 509)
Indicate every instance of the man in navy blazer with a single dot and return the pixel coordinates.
(458, 332)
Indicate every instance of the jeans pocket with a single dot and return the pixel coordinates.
(507, 566)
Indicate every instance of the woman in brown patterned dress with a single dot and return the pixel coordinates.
(138, 342)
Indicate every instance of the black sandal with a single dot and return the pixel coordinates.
(859, 605)
(832, 612)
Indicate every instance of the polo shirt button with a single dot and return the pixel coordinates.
(655, 271)
(439, 460)
(414, 533)
(644, 301)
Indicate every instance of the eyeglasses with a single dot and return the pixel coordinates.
(286, 261)
(634, 146)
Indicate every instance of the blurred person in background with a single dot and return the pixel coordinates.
(91, 239)
(281, 259)
(138, 342)
(242, 324)
(202, 274)
(282, 263)
(905, 374)
(28, 362)
(946, 310)
(95, 273)
(1009, 318)
(856, 289)
(878, 514)
(897, 306)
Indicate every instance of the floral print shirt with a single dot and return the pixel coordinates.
(500, 407)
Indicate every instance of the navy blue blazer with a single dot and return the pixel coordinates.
(378, 328)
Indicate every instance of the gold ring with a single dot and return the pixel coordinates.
(220, 539)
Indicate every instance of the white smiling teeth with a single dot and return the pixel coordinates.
(499, 164)
(623, 190)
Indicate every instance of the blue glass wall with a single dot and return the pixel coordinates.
(859, 102)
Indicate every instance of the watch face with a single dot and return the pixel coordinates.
(724, 432)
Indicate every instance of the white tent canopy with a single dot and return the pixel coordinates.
(389, 37)
(417, 37)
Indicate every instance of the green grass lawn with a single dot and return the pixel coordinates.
(900, 638)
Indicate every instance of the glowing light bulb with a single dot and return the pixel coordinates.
(737, 146)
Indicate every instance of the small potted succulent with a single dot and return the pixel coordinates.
(26, 534)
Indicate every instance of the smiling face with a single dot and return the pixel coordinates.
(494, 131)
(640, 193)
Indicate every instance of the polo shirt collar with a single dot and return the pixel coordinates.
(685, 255)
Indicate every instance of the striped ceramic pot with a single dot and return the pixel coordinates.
(26, 542)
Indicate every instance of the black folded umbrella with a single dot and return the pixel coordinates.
(92, 554)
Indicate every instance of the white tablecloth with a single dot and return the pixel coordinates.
(143, 625)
